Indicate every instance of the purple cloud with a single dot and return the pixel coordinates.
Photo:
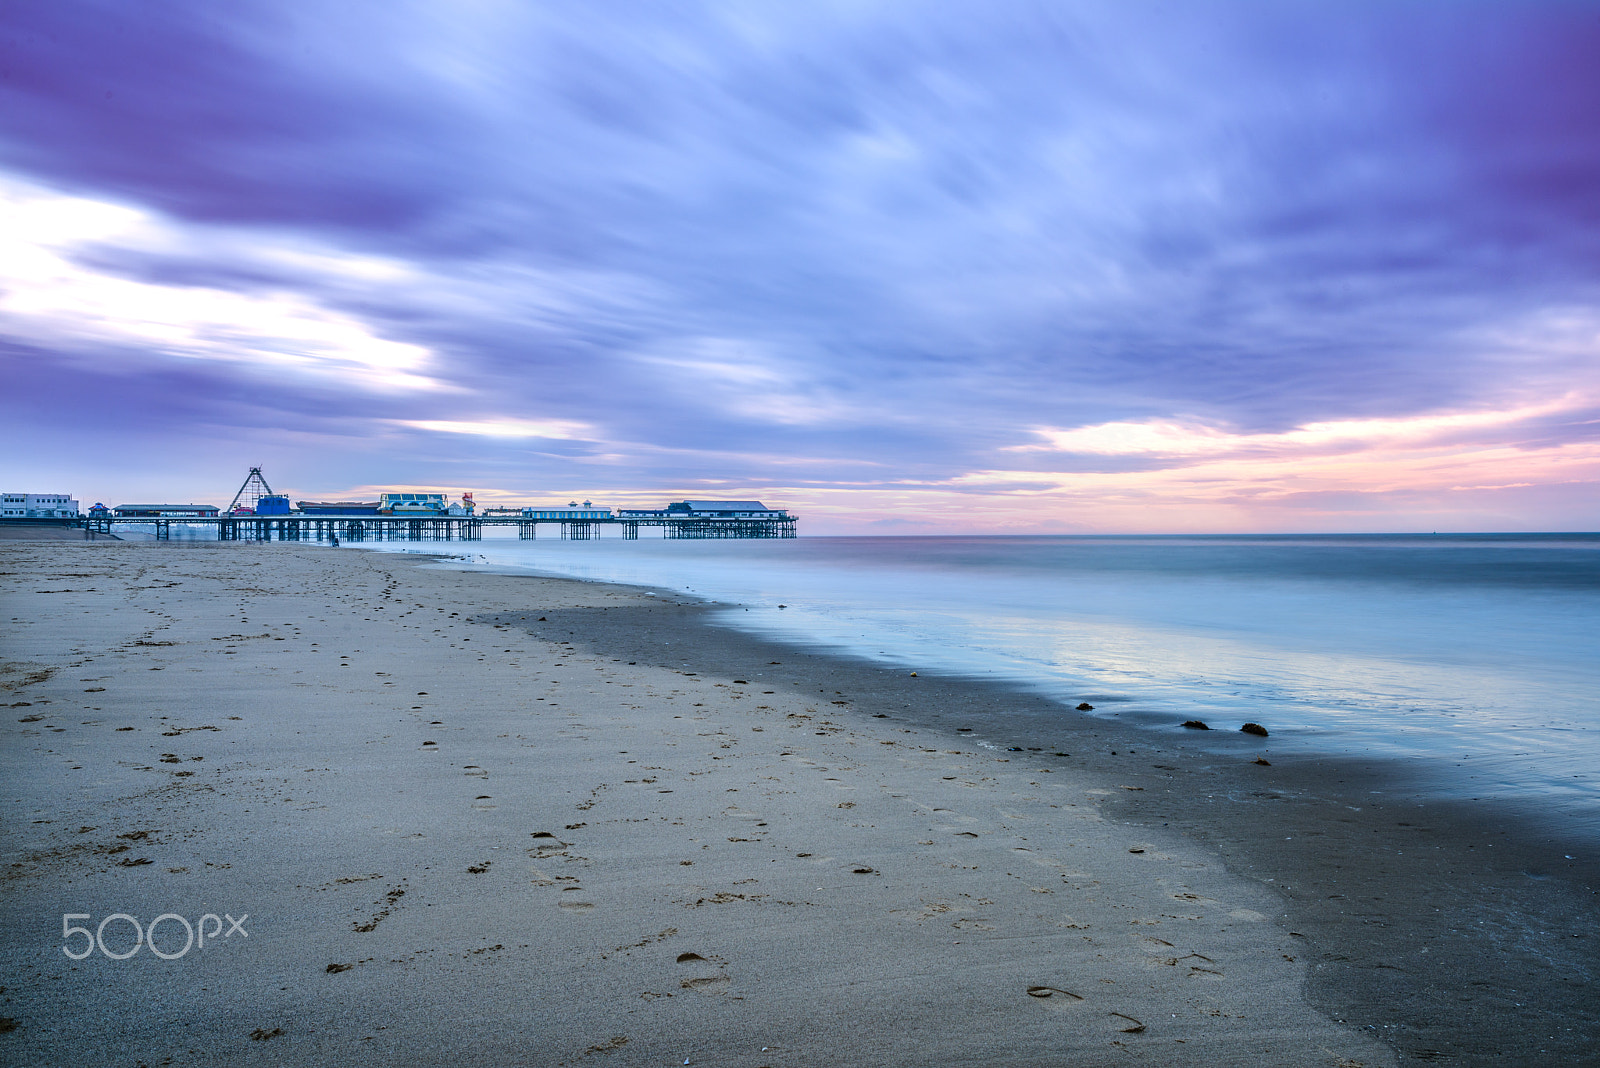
(807, 247)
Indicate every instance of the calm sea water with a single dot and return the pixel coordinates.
(1475, 657)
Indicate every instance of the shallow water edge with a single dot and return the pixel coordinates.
(1459, 932)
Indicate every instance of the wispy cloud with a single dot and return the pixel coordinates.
(1177, 440)
(502, 428)
(1399, 473)
(50, 295)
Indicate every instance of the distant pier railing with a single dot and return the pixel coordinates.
(435, 527)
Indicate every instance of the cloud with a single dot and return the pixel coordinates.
(49, 296)
(1180, 440)
(501, 428)
(683, 244)
(1325, 471)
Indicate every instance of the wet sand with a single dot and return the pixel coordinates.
(492, 820)
(30, 532)
(1460, 933)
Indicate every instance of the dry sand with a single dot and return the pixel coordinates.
(460, 839)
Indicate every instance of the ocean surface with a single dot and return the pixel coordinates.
(1476, 658)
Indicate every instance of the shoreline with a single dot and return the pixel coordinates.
(855, 883)
(1521, 934)
(1332, 686)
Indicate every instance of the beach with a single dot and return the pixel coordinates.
(480, 818)
(41, 532)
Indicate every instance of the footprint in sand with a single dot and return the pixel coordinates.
(710, 981)
(1198, 965)
(1197, 899)
(1056, 999)
(1040, 859)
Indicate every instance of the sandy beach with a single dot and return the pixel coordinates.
(31, 532)
(481, 819)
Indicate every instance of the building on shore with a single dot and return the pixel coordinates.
(37, 506)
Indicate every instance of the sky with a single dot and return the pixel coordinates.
(902, 267)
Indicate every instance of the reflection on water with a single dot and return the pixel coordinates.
(1476, 655)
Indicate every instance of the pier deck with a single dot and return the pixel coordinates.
(433, 528)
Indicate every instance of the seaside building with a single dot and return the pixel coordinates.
(706, 510)
(166, 511)
(413, 503)
(272, 504)
(37, 506)
(337, 507)
(572, 513)
(267, 504)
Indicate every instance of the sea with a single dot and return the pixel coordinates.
(1472, 660)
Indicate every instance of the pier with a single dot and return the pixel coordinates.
(258, 514)
(358, 528)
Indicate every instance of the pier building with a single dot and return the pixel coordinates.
(165, 511)
(337, 507)
(705, 510)
(578, 522)
(413, 503)
(567, 514)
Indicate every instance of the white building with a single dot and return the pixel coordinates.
(37, 506)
